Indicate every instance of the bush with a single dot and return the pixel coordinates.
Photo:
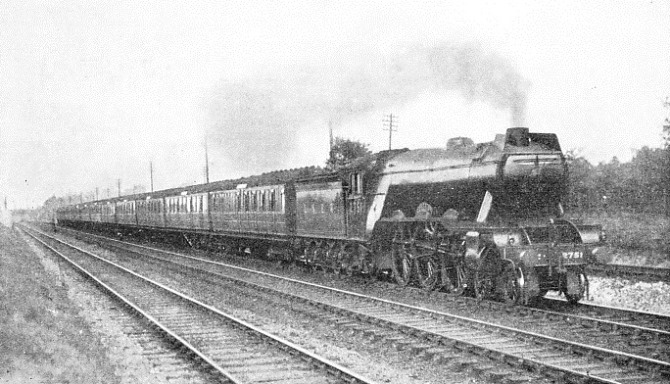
(633, 237)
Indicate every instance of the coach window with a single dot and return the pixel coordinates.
(261, 200)
(281, 201)
(217, 203)
(273, 200)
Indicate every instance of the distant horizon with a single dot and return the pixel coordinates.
(185, 185)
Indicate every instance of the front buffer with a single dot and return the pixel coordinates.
(547, 267)
(521, 264)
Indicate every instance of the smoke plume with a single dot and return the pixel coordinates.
(254, 124)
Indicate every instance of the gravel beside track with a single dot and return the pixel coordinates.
(506, 342)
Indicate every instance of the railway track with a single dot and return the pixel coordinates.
(637, 272)
(429, 331)
(229, 349)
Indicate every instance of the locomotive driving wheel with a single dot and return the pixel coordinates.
(484, 283)
(401, 266)
(507, 285)
(427, 271)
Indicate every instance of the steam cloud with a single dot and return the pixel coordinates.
(254, 124)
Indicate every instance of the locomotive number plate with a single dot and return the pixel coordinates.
(573, 255)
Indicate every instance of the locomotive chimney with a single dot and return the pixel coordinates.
(517, 137)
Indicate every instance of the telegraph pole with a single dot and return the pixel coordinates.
(391, 123)
(118, 184)
(151, 173)
(666, 136)
(330, 136)
(206, 162)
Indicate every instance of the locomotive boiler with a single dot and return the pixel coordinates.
(485, 218)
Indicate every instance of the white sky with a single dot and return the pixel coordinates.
(91, 92)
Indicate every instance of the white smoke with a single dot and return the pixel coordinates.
(255, 123)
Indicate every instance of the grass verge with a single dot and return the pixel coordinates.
(42, 337)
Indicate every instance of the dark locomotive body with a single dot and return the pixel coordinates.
(482, 218)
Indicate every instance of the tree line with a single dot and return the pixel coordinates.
(639, 186)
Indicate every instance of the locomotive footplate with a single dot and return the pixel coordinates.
(557, 257)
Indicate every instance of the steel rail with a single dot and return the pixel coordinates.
(317, 361)
(539, 311)
(640, 272)
(573, 345)
(155, 322)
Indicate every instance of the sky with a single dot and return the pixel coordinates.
(99, 94)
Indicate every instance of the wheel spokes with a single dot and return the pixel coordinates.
(427, 273)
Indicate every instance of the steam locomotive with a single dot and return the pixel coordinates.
(484, 219)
